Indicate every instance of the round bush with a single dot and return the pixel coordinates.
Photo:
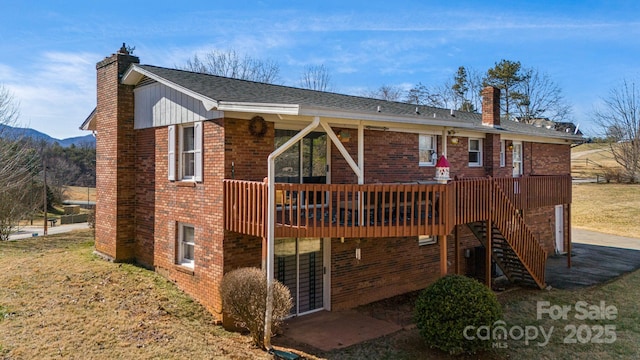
(244, 298)
(448, 306)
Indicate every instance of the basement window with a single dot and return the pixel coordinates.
(426, 240)
(186, 245)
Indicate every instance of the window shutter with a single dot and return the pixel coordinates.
(172, 152)
(197, 144)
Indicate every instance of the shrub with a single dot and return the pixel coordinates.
(448, 306)
(244, 298)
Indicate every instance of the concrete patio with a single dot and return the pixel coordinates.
(597, 258)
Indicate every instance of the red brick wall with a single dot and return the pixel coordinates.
(201, 206)
(241, 251)
(546, 159)
(393, 157)
(248, 153)
(145, 196)
(542, 222)
(115, 160)
(388, 267)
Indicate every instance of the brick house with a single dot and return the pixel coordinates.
(334, 195)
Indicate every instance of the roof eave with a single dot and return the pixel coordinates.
(89, 123)
(381, 117)
(267, 108)
(135, 73)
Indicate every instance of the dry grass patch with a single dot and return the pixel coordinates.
(79, 193)
(608, 208)
(58, 300)
(592, 160)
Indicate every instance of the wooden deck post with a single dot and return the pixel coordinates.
(443, 255)
(488, 259)
(264, 254)
(457, 249)
(569, 235)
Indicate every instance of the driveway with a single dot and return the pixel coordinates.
(31, 231)
(595, 258)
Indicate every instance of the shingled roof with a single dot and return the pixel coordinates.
(222, 89)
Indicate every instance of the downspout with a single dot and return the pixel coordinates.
(444, 142)
(271, 181)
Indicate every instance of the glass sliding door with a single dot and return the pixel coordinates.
(304, 162)
(299, 265)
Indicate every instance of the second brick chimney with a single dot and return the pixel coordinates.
(490, 106)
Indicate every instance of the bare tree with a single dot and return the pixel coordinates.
(18, 166)
(233, 65)
(385, 92)
(316, 77)
(619, 118)
(436, 96)
(538, 96)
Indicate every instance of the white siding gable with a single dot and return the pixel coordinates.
(159, 105)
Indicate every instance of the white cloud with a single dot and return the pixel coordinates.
(56, 93)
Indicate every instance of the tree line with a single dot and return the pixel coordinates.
(24, 165)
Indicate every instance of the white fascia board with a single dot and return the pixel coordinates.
(135, 73)
(265, 108)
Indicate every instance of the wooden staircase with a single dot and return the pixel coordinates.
(514, 247)
(503, 255)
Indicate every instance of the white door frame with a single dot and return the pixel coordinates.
(559, 229)
(326, 281)
(516, 165)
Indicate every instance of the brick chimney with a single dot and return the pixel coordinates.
(490, 106)
(115, 155)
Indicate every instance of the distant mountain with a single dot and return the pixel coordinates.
(13, 132)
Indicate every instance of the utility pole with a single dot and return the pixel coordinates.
(44, 192)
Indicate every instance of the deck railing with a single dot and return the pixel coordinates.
(245, 207)
(524, 193)
(380, 210)
(349, 210)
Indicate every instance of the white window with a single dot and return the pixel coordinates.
(475, 152)
(428, 150)
(502, 153)
(186, 245)
(426, 240)
(189, 152)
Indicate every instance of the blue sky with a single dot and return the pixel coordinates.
(49, 48)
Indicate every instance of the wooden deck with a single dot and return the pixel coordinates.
(383, 210)
(493, 206)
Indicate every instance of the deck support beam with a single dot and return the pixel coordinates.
(488, 259)
(457, 250)
(569, 235)
(443, 255)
